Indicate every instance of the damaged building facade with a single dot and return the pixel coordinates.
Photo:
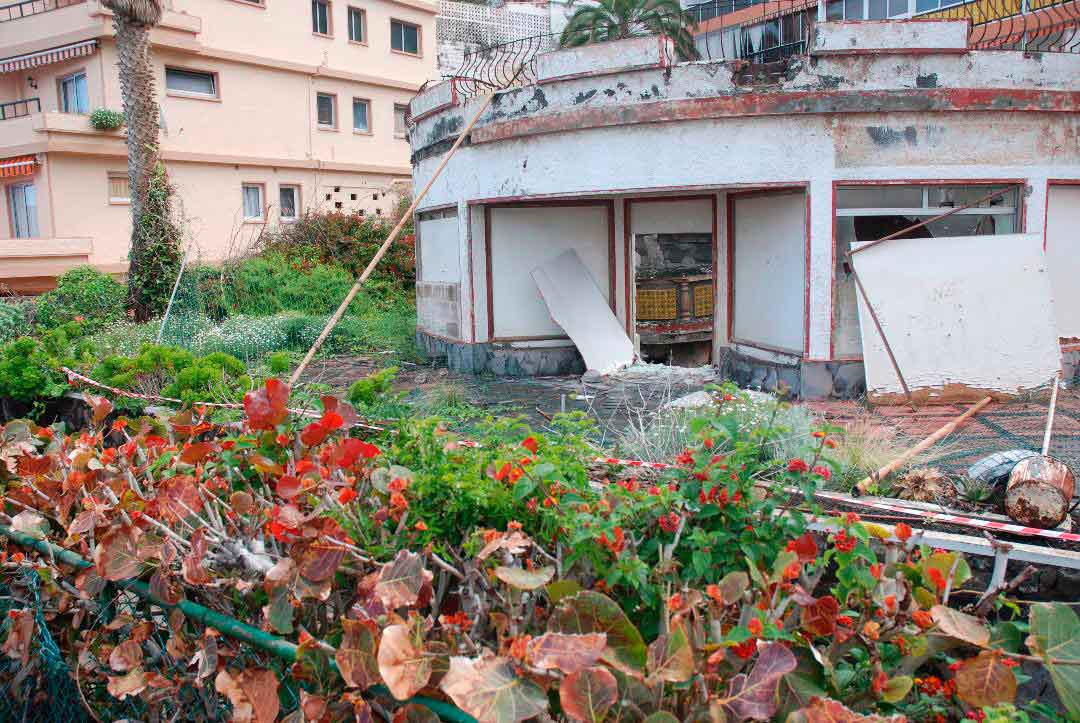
(713, 205)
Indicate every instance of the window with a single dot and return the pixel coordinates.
(191, 82)
(253, 203)
(119, 187)
(399, 119)
(326, 109)
(22, 200)
(405, 37)
(870, 212)
(356, 25)
(73, 97)
(289, 200)
(320, 17)
(361, 115)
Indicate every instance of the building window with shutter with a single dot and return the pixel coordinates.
(289, 200)
(253, 201)
(357, 23)
(326, 110)
(404, 37)
(73, 94)
(119, 188)
(320, 17)
(361, 115)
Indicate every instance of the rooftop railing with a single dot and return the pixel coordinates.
(28, 8)
(19, 108)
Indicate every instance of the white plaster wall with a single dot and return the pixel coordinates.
(524, 238)
(770, 269)
(1063, 256)
(693, 216)
(440, 254)
(973, 310)
(846, 37)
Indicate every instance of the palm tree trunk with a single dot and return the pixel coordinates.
(141, 114)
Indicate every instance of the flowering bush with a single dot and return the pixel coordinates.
(502, 578)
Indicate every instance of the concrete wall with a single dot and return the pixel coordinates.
(524, 238)
(1063, 256)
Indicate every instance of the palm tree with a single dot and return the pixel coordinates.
(617, 19)
(151, 225)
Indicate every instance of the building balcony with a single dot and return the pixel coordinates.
(33, 25)
(45, 132)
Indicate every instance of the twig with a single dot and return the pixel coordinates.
(439, 562)
(982, 607)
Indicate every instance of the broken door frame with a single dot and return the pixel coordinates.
(630, 271)
(1021, 227)
(609, 203)
(732, 197)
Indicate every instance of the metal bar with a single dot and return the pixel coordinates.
(1050, 417)
(881, 333)
(222, 623)
(928, 221)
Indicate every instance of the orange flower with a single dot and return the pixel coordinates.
(754, 626)
(713, 591)
(530, 444)
(902, 531)
(792, 571)
(398, 501)
(513, 525)
(890, 603)
(871, 630)
(923, 619)
(420, 526)
(937, 578)
(876, 569)
(347, 495)
(675, 602)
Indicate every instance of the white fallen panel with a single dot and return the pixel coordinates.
(973, 311)
(577, 305)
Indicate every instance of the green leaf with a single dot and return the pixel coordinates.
(1007, 636)
(523, 488)
(1055, 637)
(896, 688)
(562, 589)
(591, 612)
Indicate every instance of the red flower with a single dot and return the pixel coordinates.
(500, 475)
(937, 578)
(398, 501)
(843, 542)
(515, 474)
(923, 619)
(713, 591)
(754, 626)
(879, 682)
(745, 649)
(675, 602)
(530, 444)
(822, 471)
(654, 490)
(876, 569)
(844, 620)
(616, 544)
(890, 602)
(851, 517)
(902, 531)
(1009, 662)
(669, 522)
(347, 495)
(685, 458)
(797, 465)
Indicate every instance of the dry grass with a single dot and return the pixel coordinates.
(866, 445)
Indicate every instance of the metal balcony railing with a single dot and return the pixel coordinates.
(27, 8)
(19, 108)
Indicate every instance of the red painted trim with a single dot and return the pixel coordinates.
(715, 272)
(472, 274)
(768, 347)
(487, 270)
(787, 103)
(654, 193)
(611, 257)
(803, 187)
(609, 203)
(1022, 182)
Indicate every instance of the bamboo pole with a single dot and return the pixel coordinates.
(333, 321)
(944, 431)
(881, 333)
(224, 624)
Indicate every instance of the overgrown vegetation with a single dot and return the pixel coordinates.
(496, 574)
(155, 254)
(104, 119)
(83, 294)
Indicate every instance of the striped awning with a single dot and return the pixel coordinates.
(45, 57)
(17, 166)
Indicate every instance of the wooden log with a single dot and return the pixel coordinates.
(864, 485)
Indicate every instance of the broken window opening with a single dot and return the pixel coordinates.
(674, 292)
(867, 213)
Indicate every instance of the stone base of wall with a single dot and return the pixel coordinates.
(805, 380)
(501, 359)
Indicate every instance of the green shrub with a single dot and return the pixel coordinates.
(271, 283)
(12, 320)
(372, 387)
(104, 119)
(171, 372)
(30, 367)
(82, 294)
(280, 362)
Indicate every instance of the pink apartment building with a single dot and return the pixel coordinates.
(268, 108)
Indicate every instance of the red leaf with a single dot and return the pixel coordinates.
(197, 452)
(587, 695)
(819, 618)
(568, 653)
(754, 696)
(404, 667)
(267, 407)
(314, 434)
(287, 486)
(116, 555)
(805, 547)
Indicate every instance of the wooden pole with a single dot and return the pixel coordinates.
(1050, 417)
(333, 321)
(864, 485)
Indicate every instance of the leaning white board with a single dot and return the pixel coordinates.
(971, 310)
(577, 305)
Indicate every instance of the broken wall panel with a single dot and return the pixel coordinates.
(438, 284)
(961, 313)
(523, 238)
(769, 272)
